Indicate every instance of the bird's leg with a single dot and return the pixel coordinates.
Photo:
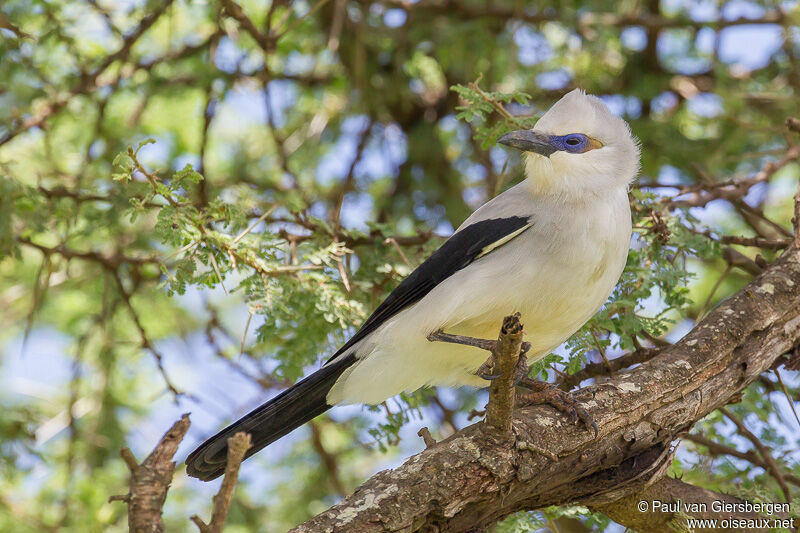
(441, 336)
(483, 344)
(546, 393)
(484, 370)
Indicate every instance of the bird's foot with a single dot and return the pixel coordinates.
(521, 369)
(486, 367)
(546, 393)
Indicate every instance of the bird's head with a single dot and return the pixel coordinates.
(578, 147)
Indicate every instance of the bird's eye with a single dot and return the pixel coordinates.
(574, 143)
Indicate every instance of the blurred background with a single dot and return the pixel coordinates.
(331, 131)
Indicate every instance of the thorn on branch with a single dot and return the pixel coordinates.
(427, 437)
(475, 413)
(151, 479)
(237, 448)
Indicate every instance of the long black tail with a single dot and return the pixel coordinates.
(285, 412)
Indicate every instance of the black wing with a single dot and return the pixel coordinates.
(457, 252)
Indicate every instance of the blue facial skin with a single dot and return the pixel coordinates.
(575, 143)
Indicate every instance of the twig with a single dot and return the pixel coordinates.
(393, 242)
(237, 448)
(246, 329)
(758, 242)
(213, 261)
(145, 340)
(261, 219)
(501, 391)
(150, 480)
(713, 291)
(89, 81)
(786, 393)
(592, 370)
(293, 24)
(717, 449)
(738, 259)
(329, 459)
(796, 218)
(771, 465)
(234, 10)
(492, 101)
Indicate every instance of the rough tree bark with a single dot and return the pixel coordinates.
(473, 478)
(150, 480)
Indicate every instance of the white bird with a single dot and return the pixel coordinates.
(550, 248)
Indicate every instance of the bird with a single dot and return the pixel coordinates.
(550, 248)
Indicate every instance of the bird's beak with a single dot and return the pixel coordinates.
(528, 141)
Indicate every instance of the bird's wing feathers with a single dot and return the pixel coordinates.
(462, 248)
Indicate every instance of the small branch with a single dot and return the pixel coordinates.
(234, 10)
(150, 480)
(130, 459)
(498, 106)
(772, 466)
(293, 24)
(715, 449)
(758, 242)
(593, 370)
(738, 259)
(237, 447)
(501, 391)
(328, 459)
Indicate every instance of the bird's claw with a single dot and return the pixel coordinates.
(490, 377)
(521, 369)
(546, 393)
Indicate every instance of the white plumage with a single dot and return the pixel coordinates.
(556, 274)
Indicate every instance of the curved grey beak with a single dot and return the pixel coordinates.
(528, 141)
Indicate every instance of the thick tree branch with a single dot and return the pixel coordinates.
(472, 479)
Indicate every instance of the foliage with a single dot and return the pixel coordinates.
(195, 211)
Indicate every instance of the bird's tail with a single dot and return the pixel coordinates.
(285, 412)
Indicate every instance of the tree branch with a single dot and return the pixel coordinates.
(237, 447)
(501, 391)
(472, 479)
(150, 480)
(669, 491)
